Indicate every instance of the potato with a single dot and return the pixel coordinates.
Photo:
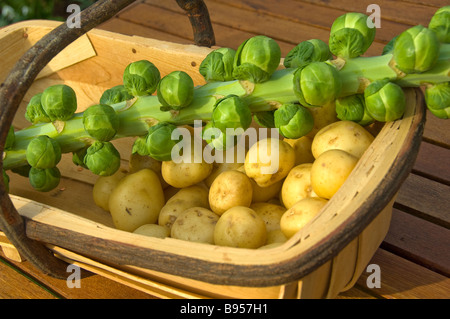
(300, 214)
(297, 185)
(343, 135)
(240, 227)
(195, 224)
(136, 200)
(270, 213)
(323, 116)
(138, 162)
(264, 194)
(302, 148)
(103, 187)
(275, 236)
(269, 161)
(153, 230)
(185, 198)
(186, 173)
(229, 189)
(330, 170)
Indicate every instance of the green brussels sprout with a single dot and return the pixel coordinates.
(218, 65)
(175, 91)
(313, 50)
(160, 142)
(293, 120)
(437, 98)
(10, 138)
(140, 146)
(115, 95)
(59, 102)
(440, 24)
(350, 35)
(78, 157)
(101, 122)
(34, 112)
(256, 59)
(416, 50)
(353, 108)
(265, 119)
(5, 180)
(231, 112)
(44, 180)
(102, 158)
(218, 139)
(389, 48)
(385, 101)
(317, 84)
(43, 152)
(141, 78)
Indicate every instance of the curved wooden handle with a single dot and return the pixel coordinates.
(13, 89)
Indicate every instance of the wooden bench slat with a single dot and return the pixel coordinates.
(425, 198)
(403, 279)
(433, 162)
(420, 241)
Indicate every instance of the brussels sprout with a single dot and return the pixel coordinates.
(115, 95)
(44, 180)
(159, 141)
(141, 78)
(59, 102)
(265, 119)
(43, 152)
(11, 138)
(440, 24)
(35, 113)
(293, 120)
(231, 112)
(102, 158)
(385, 101)
(101, 122)
(218, 65)
(78, 157)
(389, 48)
(416, 50)
(175, 91)
(350, 36)
(256, 59)
(23, 170)
(353, 108)
(140, 146)
(313, 50)
(317, 84)
(437, 97)
(5, 180)
(217, 139)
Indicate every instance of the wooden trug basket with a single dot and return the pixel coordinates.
(320, 261)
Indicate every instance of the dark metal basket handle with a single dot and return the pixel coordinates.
(13, 89)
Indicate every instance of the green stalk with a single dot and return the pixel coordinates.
(138, 115)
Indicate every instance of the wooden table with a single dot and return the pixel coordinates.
(414, 258)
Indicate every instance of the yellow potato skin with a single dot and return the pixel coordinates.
(136, 200)
(240, 227)
(229, 189)
(270, 213)
(269, 161)
(297, 185)
(330, 170)
(302, 149)
(153, 230)
(343, 135)
(103, 187)
(195, 224)
(300, 214)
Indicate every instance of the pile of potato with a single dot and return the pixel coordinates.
(236, 204)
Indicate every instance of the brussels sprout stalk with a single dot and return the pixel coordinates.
(138, 115)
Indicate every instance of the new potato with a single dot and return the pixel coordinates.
(270, 213)
(153, 230)
(297, 185)
(344, 135)
(103, 187)
(195, 224)
(330, 170)
(240, 227)
(136, 200)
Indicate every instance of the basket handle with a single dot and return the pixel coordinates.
(19, 80)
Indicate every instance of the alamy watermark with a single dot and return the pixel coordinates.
(74, 20)
(374, 20)
(374, 279)
(74, 279)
